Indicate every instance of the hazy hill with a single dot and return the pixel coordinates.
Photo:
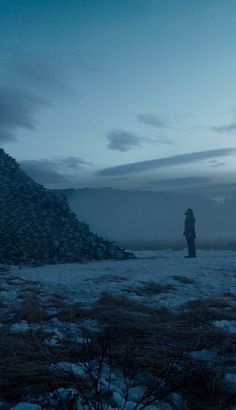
(37, 225)
(147, 217)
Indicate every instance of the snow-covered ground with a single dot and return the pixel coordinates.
(156, 279)
(212, 274)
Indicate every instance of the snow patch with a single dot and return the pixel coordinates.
(26, 406)
(229, 325)
(20, 327)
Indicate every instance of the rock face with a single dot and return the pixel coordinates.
(37, 226)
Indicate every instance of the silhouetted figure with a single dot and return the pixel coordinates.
(189, 233)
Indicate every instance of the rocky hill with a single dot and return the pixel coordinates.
(37, 226)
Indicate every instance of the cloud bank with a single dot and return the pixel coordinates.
(59, 172)
(143, 166)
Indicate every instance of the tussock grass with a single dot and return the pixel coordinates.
(140, 338)
(160, 329)
(229, 294)
(30, 310)
(120, 302)
(3, 304)
(21, 365)
(152, 289)
(4, 269)
(184, 279)
(208, 309)
(57, 298)
(109, 277)
(71, 312)
(160, 337)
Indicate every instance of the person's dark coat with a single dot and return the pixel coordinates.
(189, 226)
(190, 233)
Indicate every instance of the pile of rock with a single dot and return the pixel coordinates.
(38, 227)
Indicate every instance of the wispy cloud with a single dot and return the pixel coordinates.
(214, 163)
(20, 104)
(152, 120)
(17, 110)
(120, 140)
(123, 141)
(57, 172)
(225, 128)
(176, 183)
(42, 75)
(143, 166)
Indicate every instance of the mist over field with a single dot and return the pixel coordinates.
(155, 220)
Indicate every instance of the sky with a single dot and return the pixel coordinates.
(129, 94)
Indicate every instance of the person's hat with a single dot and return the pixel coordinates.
(189, 211)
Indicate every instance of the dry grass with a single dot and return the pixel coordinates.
(71, 312)
(120, 302)
(209, 309)
(159, 337)
(184, 279)
(30, 310)
(20, 365)
(3, 304)
(108, 278)
(159, 330)
(3, 269)
(229, 294)
(140, 338)
(152, 289)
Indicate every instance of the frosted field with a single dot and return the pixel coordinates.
(179, 313)
(212, 274)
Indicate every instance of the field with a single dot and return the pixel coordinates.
(155, 332)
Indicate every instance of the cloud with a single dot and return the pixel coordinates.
(183, 159)
(43, 76)
(17, 109)
(123, 141)
(70, 163)
(43, 172)
(73, 172)
(177, 183)
(226, 128)
(214, 163)
(58, 172)
(152, 120)
(19, 105)
(211, 188)
(162, 140)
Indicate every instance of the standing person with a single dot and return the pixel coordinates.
(189, 233)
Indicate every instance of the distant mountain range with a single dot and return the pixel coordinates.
(143, 218)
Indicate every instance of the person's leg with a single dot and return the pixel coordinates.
(189, 246)
(192, 248)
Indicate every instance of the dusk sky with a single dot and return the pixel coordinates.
(120, 93)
